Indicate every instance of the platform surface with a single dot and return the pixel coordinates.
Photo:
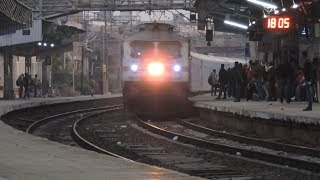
(24, 156)
(261, 109)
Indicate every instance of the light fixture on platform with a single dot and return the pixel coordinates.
(294, 6)
(264, 4)
(231, 23)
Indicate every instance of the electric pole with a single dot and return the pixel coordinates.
(104, 56)
(83, 53)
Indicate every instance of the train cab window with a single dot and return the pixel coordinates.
(172, 49)
(139, 48)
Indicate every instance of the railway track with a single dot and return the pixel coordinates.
(113, 131)
(120, 134)
(62, 127)
(23, 118)
(312, 152)
(263, 150)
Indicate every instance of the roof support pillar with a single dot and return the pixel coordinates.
(8, 74)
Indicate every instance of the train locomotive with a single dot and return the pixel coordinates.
(155, 69)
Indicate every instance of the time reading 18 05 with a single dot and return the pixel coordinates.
(280, 23)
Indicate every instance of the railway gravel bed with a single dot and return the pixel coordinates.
(173, 126)
(119, 133)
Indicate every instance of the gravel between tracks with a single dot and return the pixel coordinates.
(118, 133)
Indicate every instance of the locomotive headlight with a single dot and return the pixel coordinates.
(134, 67)
(155, 68)
(177, 68)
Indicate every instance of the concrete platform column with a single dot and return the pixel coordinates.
(8, 74)
(46, 76)
(28, 64)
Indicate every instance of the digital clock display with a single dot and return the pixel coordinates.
(278, 23)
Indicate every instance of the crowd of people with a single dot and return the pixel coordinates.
(258, 81)
(30, 86)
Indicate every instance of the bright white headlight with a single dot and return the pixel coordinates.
(176, 68)
(134, 67)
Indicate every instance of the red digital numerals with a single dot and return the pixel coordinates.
(278, 23)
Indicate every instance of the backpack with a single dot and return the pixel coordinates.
(19, 81)
(210, 80)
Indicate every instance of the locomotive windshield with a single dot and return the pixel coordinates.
(171, 49)
(139, 48)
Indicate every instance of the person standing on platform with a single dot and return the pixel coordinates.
(271, 81)
(249, 81)
(237, 80)
(213, 81)
(315, 63)
(317, 74)
(26, 85)
(35, 85)
(258, 77)
(20, 83)
(309, 78)
(229, 82)
(222, 82)
(284, 76)
(39, 87)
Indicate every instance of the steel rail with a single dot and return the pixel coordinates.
(259, 142)
(81, 141)
(276, 159)
(38, 123)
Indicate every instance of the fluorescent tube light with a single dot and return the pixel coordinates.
(236, 24)
(264, 4)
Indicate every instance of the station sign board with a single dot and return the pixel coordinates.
(278, 23)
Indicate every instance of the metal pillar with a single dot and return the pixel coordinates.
(104, 72)
(105, 83)
(83, 54)
(45, 83)
(82, 68)
(8, 75)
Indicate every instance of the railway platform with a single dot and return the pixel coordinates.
(24, 156)
(267, 119)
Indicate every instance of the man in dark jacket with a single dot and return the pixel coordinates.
(212, 80)
(20, 82)
(270, 78)
(237, 80)
(26, 85)
(284, 74)
(309, 78)
(222, 82)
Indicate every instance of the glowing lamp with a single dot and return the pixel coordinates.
(134, 67)
(176, 68)
(295, 6)
(155, 68)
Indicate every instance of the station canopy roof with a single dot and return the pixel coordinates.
(245, 11)
(56, 8)
(14, 12)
